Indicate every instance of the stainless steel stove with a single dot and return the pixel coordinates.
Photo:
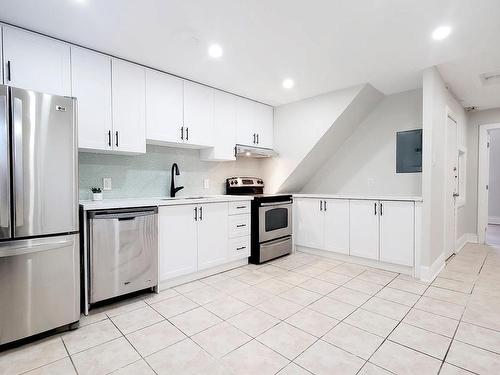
(271, 219)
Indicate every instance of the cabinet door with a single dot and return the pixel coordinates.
(397, 223)
(164, 107)
(309, 220)
(91, 85)
(212, 234)
(245, 122)
(264, 125)
(36, 63)
(178, 241)
(129, 102)
(198, 114)
(224, 138)
(337, 225)
(364, 228)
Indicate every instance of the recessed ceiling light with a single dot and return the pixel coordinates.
(288, 83)
(441, 33)
(215, 51)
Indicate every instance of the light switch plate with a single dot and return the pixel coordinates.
(206, 183)
(106, 183)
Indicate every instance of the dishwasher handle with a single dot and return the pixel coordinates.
(122, 214)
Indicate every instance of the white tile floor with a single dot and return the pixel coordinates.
(301, 314)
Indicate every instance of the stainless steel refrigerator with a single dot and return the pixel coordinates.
(39, 242)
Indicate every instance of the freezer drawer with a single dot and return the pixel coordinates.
(123, 252)
(39, 285)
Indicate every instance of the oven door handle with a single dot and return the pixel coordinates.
(275, 203)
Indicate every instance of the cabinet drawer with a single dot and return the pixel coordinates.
(239, 248)
(239, 225)
(236, 208)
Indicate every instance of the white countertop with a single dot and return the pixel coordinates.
(362, 197)
(160, 201)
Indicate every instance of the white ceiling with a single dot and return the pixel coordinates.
(463, 78)
(322, 44)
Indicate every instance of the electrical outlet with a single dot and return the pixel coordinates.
(106, 183)
(206, 183)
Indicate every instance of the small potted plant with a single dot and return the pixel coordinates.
(96, 194)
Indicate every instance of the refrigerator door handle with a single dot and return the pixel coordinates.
(18, 172)
(34, 247)
(5, 231)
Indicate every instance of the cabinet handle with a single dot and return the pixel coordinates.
(381, 209)
(257, 138)
(109, 138)
(324, 203)
(196, 214)
(321, 205)
(201, 213)
(240, 207)
(116, 133)
(240, 225)
(253, 138)
(187, 134)
(241, 248)
(8, 71)
(182, 132)
(375, 207)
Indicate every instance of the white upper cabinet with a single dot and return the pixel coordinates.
(164, 107)
(36, 63)
(309, 221)
(254, 124)
(336, 225)
(212, 234)
(91, 85)
(397, 224)
(264, 115)
(129, 107)
(198, 114)
(245, 123)
(224, 137)
(364, 228)
(2, 78)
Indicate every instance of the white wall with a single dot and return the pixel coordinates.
(494, 183)
(437, 99)
(468, 219)
(366, 162)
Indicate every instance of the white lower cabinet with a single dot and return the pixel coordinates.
(196, 237)
(178, 241)
(364, 228)
(372, 229)
(397, 233)
(212, 234)
(336, 225)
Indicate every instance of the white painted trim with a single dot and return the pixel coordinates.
(428, 274)
(494, 220)
(465, 239)
(447, 247)
(353, 259)
(165, 284)
(482, 180)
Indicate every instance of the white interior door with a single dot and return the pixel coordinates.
(309, 223)
(337, 225)
(212, 234)
(364, 228)
(451, 187)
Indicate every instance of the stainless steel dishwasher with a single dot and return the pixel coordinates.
(123, 251)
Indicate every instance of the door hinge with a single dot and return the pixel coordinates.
(488, 144)
(487, 187)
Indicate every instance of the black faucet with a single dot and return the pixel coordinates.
(174, 189)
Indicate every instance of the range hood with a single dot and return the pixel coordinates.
(254, 152)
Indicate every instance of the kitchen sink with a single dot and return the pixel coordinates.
(176, 198)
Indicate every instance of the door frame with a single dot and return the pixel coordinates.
(449, 115)
(482, 180)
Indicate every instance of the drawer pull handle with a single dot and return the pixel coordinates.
(241, 225)
(240, 207)
(241, 248)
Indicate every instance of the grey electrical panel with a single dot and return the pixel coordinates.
(409, 151)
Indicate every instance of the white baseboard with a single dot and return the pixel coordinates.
(466, 238)
(429, 273)
(494, 220)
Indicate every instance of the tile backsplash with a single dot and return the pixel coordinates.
(148, 175)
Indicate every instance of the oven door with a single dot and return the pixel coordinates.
(275, 220)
